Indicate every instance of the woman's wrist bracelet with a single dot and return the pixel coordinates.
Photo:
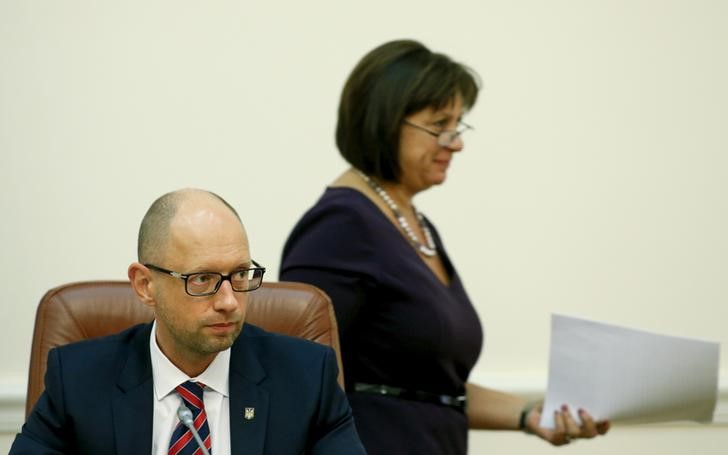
(524, 416)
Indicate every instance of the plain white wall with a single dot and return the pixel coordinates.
(594, 184)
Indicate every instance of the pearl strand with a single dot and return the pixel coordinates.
(428, 250)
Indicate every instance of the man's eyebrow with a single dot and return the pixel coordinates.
(239, 266)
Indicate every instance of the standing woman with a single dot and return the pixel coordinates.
(409, 333)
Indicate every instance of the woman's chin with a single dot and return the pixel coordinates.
(438, 178)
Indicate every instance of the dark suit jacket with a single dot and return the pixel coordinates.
(99, 398)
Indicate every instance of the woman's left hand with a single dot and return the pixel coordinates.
(566, 428)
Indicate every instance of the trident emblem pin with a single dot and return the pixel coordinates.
(249, 413)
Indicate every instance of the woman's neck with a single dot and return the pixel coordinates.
(397, 191)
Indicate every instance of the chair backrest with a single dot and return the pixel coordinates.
(78, 311)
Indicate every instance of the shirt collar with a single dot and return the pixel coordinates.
(167, 376)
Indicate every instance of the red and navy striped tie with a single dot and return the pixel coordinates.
(183, 442)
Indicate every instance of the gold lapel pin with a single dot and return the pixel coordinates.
(249, 413)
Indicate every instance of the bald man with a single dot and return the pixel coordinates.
(245, 391)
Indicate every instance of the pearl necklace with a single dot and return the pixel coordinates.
(428, 250)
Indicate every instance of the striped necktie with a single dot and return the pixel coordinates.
(183, 442)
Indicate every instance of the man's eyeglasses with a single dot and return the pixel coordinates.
(444, 138)
(208, 283)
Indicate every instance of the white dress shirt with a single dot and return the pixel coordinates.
(166, 401)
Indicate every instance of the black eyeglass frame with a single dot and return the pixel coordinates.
(445, 137)
(185, 276)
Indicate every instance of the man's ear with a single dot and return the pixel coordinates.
(141, 282)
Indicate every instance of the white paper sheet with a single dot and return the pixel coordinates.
(627, 375)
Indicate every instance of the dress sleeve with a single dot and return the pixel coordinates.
(331, 248)
(345, 291)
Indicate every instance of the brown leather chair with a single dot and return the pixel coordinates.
(79, 311)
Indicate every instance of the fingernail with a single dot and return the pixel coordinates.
(581, 411)
(564, 408)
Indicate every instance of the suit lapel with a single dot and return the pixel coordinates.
(248, 399)
(133, 408)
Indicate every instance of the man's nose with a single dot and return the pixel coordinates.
(225, 297)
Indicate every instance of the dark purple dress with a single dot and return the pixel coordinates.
(398, 324)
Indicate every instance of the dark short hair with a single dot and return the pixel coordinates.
(391, 82)
(154, 229)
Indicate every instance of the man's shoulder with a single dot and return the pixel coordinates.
(99, 360)
(282, 353)
(277, 341)
(104, 344)
(287, 363)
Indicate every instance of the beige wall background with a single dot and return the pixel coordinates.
(594, 184)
